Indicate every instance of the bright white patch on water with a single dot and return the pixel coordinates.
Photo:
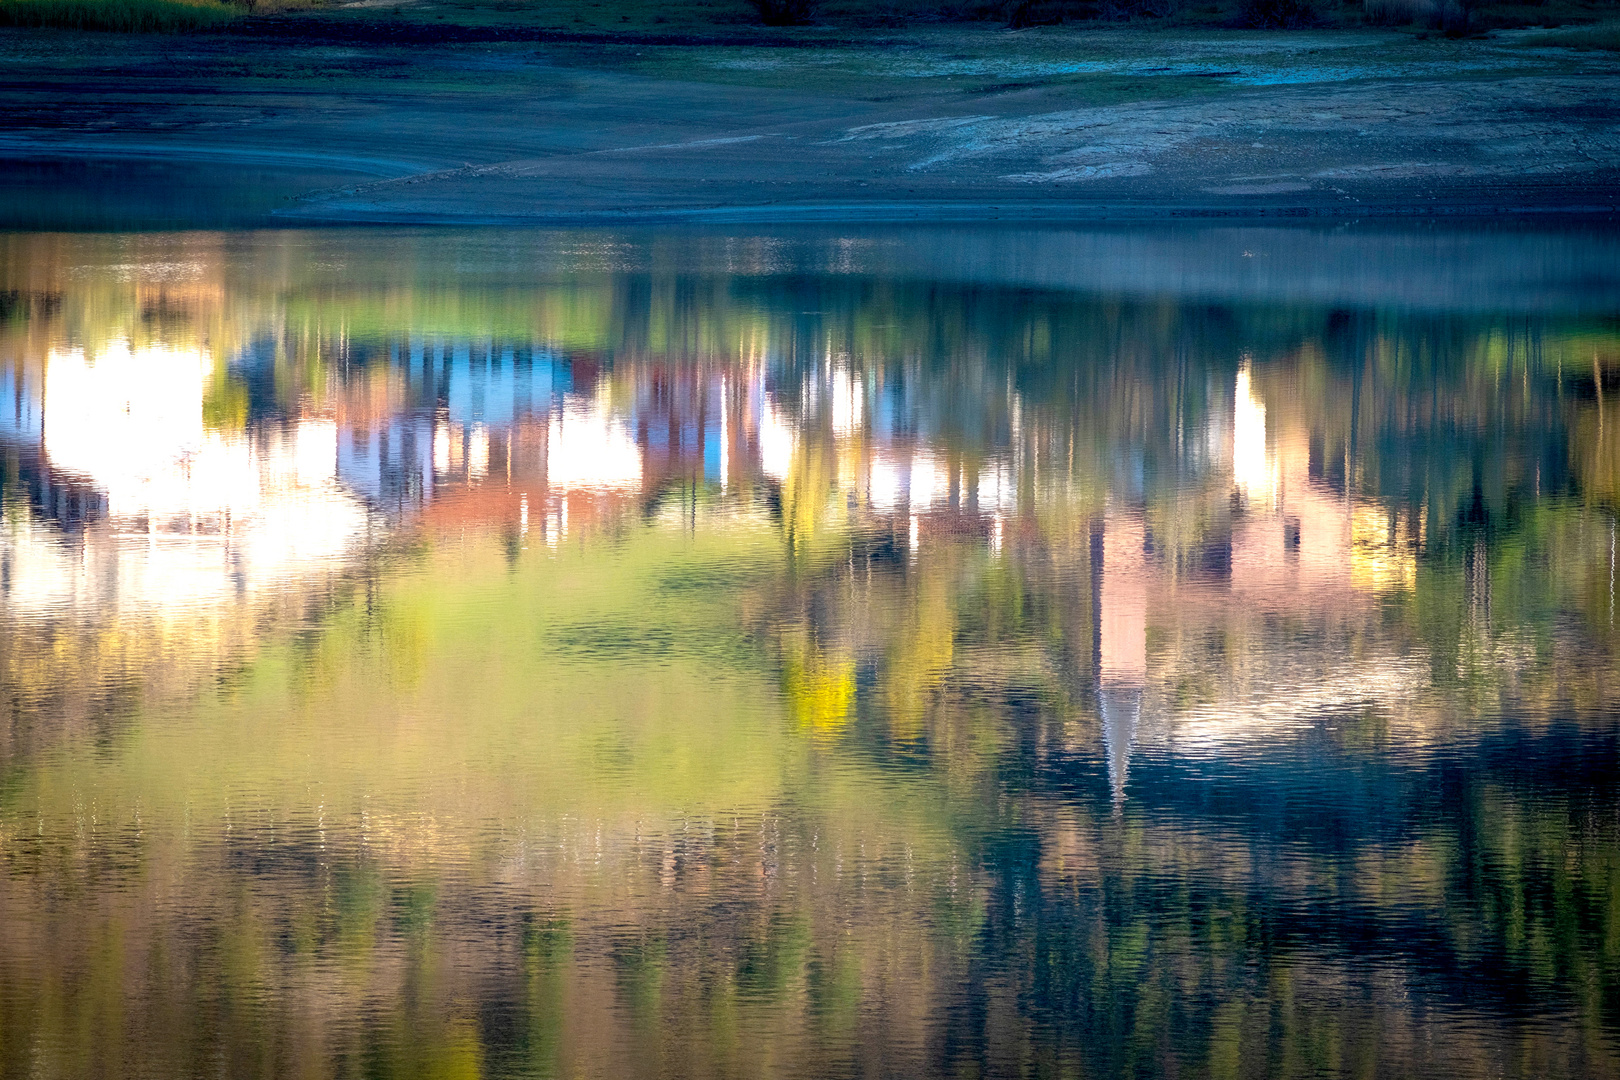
(884, 483)
(847, 403)
(1253, 470)
(776, 439)
(590, 448)
(197, 515)
(929, 482)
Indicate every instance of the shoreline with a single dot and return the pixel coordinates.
(1046, 214)
(950, 125)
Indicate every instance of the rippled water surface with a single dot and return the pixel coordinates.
(962, 653)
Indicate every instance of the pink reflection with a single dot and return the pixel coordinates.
(1121, 597)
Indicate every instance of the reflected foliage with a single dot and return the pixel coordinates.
(776, 671)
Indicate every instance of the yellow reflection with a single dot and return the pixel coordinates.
(819, 688)
(921, 654)
(1383, 551)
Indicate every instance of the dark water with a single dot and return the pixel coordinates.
(75, 193)
(1132, 653)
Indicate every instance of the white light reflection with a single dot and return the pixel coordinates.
(1283, 710)
(884, 483)
(776, 441)
(1253, 473)
(441, 447)
(996, 491)
(590, 449)
(132, 423)
(194, 516)
(1122, 619)
(725, 435)
(930, 481)
(478, 452)
(848, 403)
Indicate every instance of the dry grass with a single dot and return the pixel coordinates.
(137, 16)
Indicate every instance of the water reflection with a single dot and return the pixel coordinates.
(169, 512)
(426, 656)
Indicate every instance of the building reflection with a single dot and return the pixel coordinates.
(1121, 567)
(1279, 546)
(545, 440)
(1185, 513)
(148, 498)
(148, 507)
(949, 624)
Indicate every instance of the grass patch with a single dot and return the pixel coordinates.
(130, 16)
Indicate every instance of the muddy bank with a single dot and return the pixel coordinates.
(946, 124)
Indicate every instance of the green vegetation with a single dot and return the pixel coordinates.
(131, 16)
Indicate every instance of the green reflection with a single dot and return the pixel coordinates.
(811, 674)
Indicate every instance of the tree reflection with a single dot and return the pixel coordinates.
(818, 675)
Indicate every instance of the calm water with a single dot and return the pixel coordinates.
(1134, 653)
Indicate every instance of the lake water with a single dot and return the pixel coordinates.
(1102, 652)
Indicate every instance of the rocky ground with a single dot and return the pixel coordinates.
(935, 123)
